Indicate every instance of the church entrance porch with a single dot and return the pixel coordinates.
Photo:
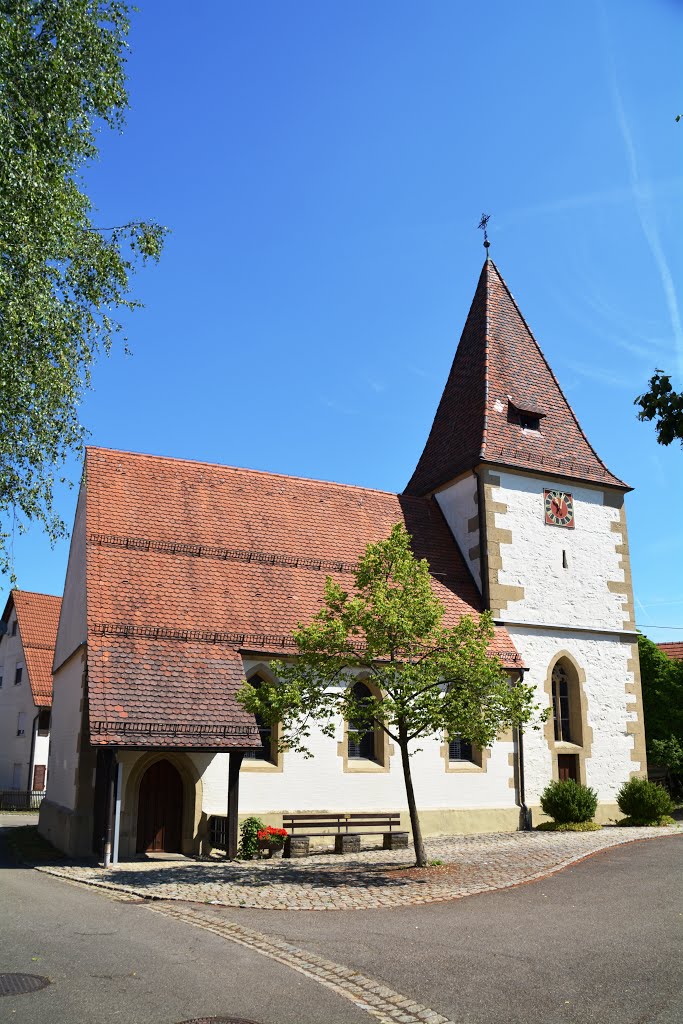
(160, 810)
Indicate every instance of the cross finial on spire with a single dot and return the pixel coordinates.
(482, 225)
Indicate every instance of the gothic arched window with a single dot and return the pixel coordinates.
(265, 751)
(562, 704)
(361, 736)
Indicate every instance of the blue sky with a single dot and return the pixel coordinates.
(322, 167)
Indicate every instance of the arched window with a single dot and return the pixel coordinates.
(562, 701)
(265, 751)
(361, 737)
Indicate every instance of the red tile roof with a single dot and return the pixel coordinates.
(208, 561)
(38, 618)
(674, 648)
(499, 370)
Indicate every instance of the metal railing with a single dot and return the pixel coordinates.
(20, 800)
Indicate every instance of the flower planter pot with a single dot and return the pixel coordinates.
(268, 849)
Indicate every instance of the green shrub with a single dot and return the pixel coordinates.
(569, 826)
(568, 801)
(644, 802)
(249, 830)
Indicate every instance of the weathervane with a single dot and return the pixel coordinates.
(485, 218)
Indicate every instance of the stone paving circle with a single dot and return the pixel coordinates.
(372, 878)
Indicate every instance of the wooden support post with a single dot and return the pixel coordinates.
(110, 798)
(233, 803)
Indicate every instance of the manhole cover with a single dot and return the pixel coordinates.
(18, 984)
(218, 1020)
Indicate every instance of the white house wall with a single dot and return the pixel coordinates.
(15, 701)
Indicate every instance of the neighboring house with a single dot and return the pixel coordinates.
(27, 642)
(184, 578)
(673, 648)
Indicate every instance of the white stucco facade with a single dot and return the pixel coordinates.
(565, 573)
(459, 504)
(24, 743)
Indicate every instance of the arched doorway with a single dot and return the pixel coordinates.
(160, 809)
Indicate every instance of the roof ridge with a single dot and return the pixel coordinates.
(487, 262)
(552, 373)
(241, 469)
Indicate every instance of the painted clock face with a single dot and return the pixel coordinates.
(559, 508)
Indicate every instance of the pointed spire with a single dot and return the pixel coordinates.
(502, 403)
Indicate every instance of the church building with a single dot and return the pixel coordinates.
(185, 578)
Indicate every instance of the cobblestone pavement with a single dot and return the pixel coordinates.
(383, 1003)
(372, 878)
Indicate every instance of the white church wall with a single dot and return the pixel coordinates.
(65, 732)
(458, 502)
(321, 783)
(605, 662)
(72, 629)
(580, 594)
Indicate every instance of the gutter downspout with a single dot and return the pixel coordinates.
(525, 814)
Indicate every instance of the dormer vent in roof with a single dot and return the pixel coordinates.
(526, 413)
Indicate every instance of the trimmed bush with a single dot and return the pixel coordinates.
(643, 802)
(569, 826)
(568, 801)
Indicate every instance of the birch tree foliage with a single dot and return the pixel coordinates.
(64, 277)
(426, 679)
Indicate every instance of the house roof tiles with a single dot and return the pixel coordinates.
(498, 371)
(674, 649)
(38, 618)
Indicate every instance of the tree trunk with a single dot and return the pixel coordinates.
(420, 854)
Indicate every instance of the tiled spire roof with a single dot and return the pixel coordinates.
(499, 372)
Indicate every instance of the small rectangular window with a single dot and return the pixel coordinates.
(21, 723)
(459, 750)
(0, 682)
(19, 671)
(14, 628)
(529, 422)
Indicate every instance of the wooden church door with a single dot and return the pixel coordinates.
(160, 809)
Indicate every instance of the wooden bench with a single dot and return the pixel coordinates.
(346, 829)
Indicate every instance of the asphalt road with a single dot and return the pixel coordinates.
(602, 941)
(599, 942)
(117, 962)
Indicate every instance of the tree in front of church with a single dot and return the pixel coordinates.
(662, 684)
(663, 405)
(424, 679)
(62, 277)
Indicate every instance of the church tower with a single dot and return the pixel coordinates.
(541, 522)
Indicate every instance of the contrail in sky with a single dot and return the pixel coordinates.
(643, 197)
